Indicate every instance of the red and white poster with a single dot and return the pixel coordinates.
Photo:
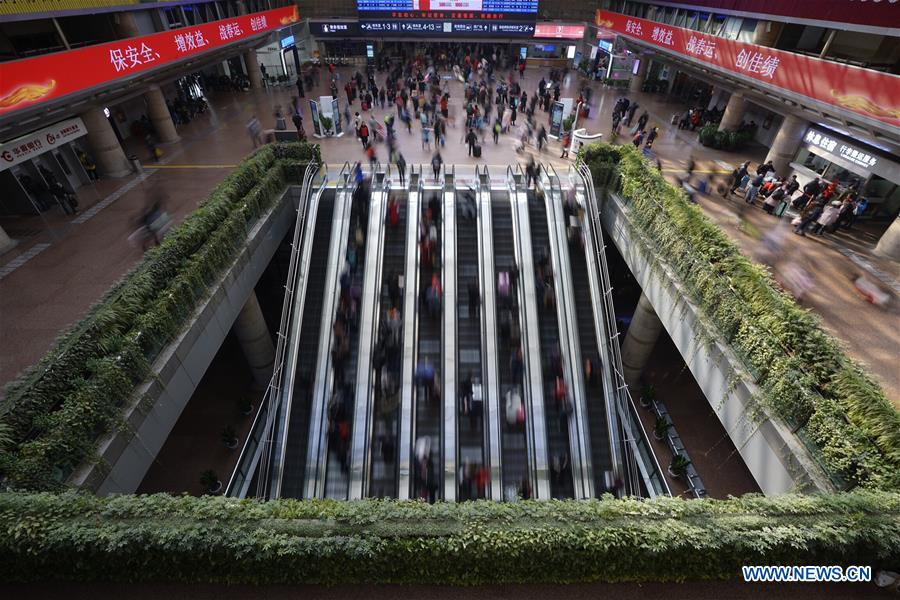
(31, 81)
(870, 93)
(559, 32)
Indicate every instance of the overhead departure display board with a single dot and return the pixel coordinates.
(488, 10)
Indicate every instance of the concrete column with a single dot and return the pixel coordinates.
(637, 81)
(159, 115)
(253, 335)
(784, 146)
(104, 145)
(767, 32)
(6, 242)
(253, 72)
(639, 341)
(734, 113)
(889, 244)
(126, 25)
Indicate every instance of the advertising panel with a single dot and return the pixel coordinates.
(36, 143)
(878, 13)
(559, 32)
(31, 81)
(873, 94)
(518, 10)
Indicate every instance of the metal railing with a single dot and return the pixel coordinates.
(641, 462)
(259, 440)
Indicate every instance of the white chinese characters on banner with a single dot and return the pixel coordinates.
(131, 57)
(663, 36)
(849, 153)
(634, 28)
(190, 40)
(230, 31)
(701, 47)
(757, 62)
(258, 23)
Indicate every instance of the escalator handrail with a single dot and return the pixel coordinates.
(625, 403)
(269, 404)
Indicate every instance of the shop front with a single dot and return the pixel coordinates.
(851, 162)
(31, 163)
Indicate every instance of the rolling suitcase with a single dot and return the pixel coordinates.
(476, 151)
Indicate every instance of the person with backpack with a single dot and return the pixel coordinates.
(738, 175)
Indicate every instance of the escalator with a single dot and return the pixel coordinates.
(345, 354)
(514, 458)
(427, 454)
(557, 426)
(601, 457)
(387, 361)
(295, 453)
(470, 426)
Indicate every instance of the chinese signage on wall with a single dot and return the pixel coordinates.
(568, 32)
(873, 94)
(36, 143)
(845, 151)
(30, 81)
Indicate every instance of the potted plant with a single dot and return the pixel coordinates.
(648, 395)
(567, 122)
(245, 406)
(210, 482)
(661, 428)
(678, 466)
(326, 124)
(229, 438)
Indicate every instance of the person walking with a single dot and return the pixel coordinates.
(471, 140)
(753, 190)
(541, 138)
(566, 144)
(298, 124)
(401, 169)
(364, 134)
(654, 133)
(436, 163)
(738, 175)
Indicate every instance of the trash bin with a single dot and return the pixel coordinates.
(135, 164)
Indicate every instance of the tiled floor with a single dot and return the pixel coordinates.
(50, 279)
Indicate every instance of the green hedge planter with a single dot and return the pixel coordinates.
(59, 407)
(804, 375)
(73, 537)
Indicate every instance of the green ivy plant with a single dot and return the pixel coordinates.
(160, 538)
(804, 375)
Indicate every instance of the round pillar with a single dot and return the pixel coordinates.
(889, 243)
(6, 242)
(253, 72)
(104, 145)
(639, 341)
(734, 113)
(784, 146)
(637, 81)
(159, 115)
(126, 25)
(256, 343)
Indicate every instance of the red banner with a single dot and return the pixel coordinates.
(567, 32)
(883, 13)
(871, 93)
(31, 81)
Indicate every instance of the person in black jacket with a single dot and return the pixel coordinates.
(810, 191)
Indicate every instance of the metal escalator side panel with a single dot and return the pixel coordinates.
(449, 374)
(490, 378)
(317, 453)
(531, 348)
(410, 302)
(579, 438)
(288, 371)
(370, 304)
